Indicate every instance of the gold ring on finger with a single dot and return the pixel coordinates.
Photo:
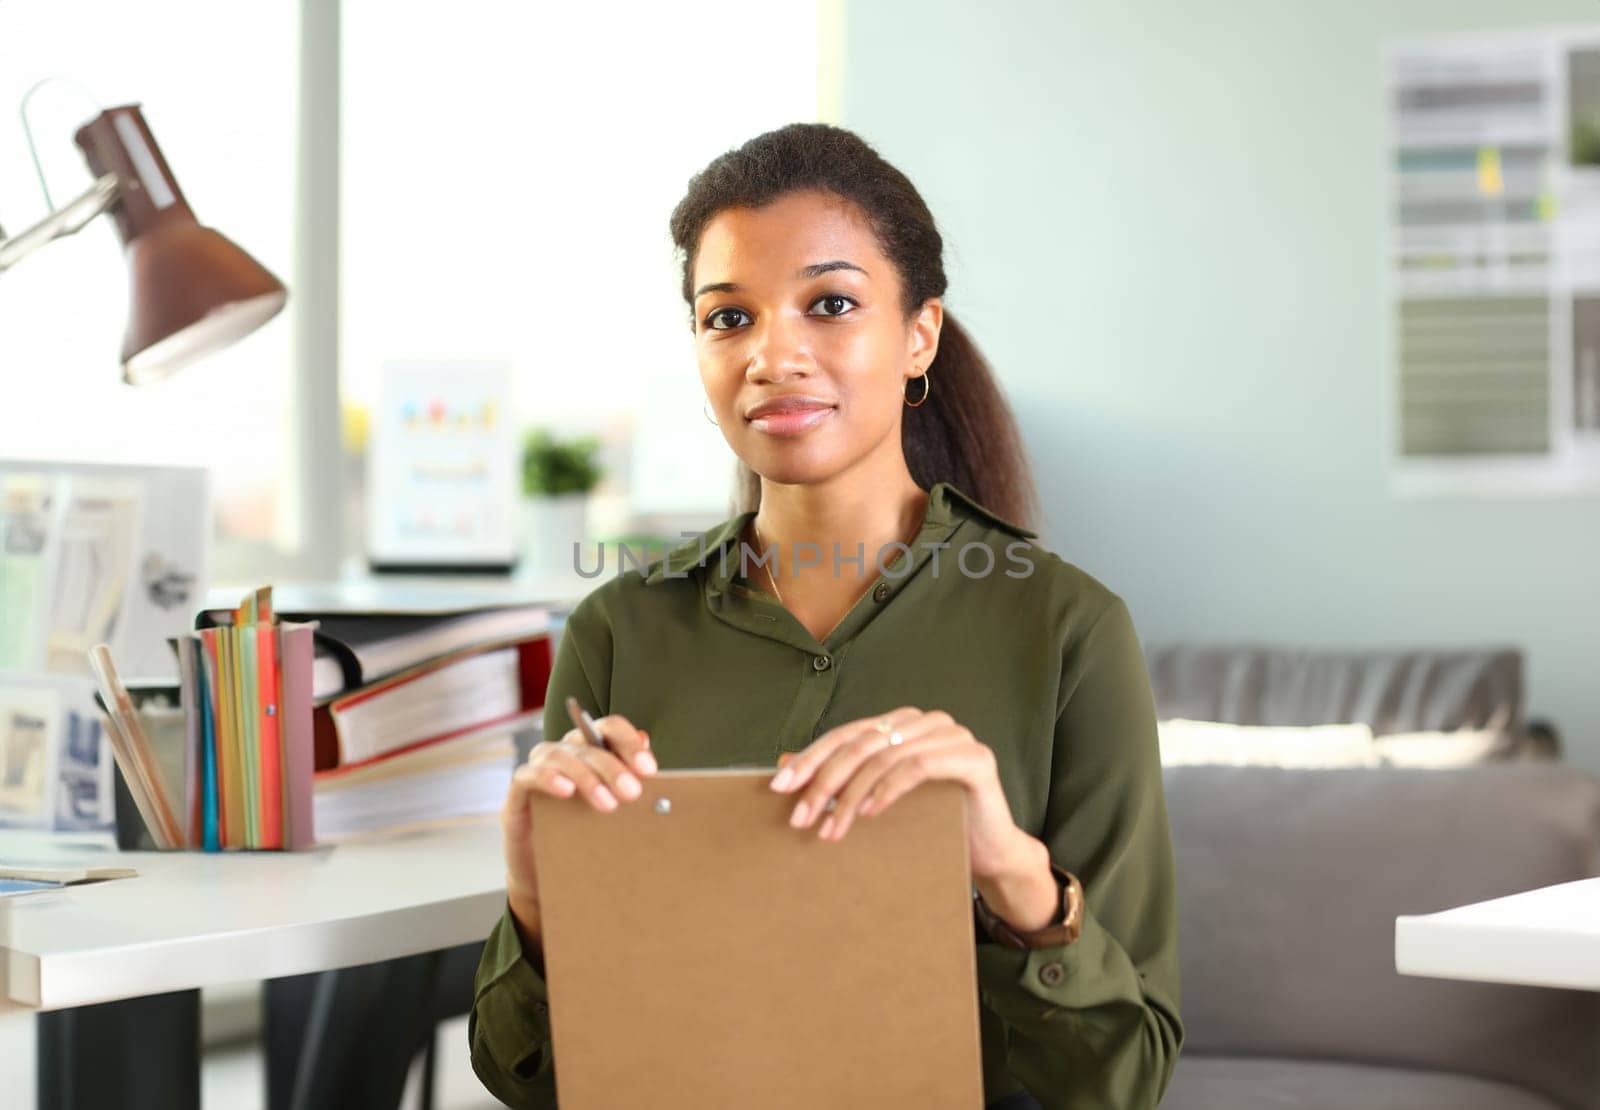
(884, 725)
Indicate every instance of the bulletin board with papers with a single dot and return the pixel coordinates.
(1494, 159)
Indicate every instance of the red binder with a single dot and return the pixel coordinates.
(533, 662)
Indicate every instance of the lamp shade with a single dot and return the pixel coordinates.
(192, 291)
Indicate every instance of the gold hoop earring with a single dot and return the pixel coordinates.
(927, 388)
(706, 412)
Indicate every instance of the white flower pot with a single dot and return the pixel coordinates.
(552, 527)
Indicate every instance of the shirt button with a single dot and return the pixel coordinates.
(821, 662)
(881, 593)
(1051, 974)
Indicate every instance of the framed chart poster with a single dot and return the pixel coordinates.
(442, 469)
(1494, 156)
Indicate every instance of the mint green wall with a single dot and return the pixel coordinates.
(1166, 224)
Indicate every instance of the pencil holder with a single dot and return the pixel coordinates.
(132, 836)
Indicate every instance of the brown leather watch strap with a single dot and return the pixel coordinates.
(1063, 928)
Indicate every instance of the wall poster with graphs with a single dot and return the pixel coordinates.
(442, 468)
(1494, 261)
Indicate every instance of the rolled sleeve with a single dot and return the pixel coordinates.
(508, 1031)
(1095, 1023)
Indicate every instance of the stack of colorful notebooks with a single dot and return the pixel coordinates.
(243, 779)
(247, 690)
(417, 702)
(322, 721)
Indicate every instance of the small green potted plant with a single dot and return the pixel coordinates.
(558, 475)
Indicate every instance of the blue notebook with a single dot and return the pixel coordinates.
(209, 840)
(26, 878)
(25, 886)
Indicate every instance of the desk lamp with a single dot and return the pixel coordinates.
(192, 290)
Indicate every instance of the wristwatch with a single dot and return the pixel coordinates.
(1063, 928)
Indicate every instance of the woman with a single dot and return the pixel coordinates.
(874, 618)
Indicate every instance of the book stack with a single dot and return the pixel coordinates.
(465, 776)
(434, 742)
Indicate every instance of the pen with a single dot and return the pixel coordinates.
(585, 724)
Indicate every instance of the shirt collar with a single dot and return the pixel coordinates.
(947, 506)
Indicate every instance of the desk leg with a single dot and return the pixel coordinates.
(346, 1038)
(141, 1053)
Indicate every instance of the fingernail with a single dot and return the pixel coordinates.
(563, 784)
(628, 785)
(798, 817)
(782, 778)
(827, 828)
(646, 762)
(866, 805)
(605, 798)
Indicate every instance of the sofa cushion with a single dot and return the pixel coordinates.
(1387, 690)
(1246, 1083)
(1459, 747)
(1306, 746)
(1289, 883)
(1185, 742)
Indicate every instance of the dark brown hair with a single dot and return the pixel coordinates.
(965, 434)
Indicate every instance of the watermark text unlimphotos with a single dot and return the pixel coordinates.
(971, 560)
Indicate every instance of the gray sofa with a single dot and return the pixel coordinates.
(1289, 882)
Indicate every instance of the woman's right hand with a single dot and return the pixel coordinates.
(567, 768)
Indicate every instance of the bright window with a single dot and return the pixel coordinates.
(508, 174)
(218, 84)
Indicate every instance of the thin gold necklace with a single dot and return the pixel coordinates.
(767, 566)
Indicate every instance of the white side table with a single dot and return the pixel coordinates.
(1548, 937)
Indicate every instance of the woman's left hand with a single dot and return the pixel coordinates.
(857, 765)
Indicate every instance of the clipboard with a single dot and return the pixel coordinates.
(701, 953)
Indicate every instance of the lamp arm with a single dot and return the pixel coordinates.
(69, 219)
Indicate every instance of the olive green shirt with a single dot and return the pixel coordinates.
(1033, 655)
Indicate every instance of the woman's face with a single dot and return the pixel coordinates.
(796, 304)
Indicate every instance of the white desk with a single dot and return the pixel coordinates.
(1548, 938)
(192, 919)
